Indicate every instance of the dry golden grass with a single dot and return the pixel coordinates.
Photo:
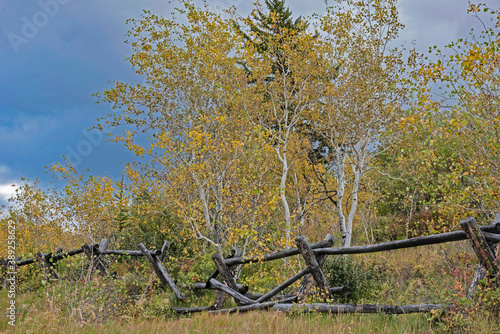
(255, 322)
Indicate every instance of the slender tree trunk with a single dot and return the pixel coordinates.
(284, 202)
(340, 158)
(206, 210)
(412, 201)
(352, 211)
(358, 170)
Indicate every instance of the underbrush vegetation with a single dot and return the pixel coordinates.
(362, 280)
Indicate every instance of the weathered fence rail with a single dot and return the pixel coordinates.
(485, 241)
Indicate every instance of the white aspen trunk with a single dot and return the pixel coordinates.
(282, 189)
(412, 199)
(340, 158)
(206, 212)
(301, 207)
(358, 169)
(354, 205)
(204, 201)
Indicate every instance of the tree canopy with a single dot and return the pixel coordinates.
(229, 111)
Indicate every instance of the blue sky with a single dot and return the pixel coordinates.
(54, 54)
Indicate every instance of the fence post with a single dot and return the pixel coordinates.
(308, 255)
(47, 263)
(487, 262)
(227, 278)
(160, 270)
(308, 280)
(95, 257)
(221, 296)
(5, 269)
(164, 250)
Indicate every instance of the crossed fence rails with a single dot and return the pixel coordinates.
(485, 240)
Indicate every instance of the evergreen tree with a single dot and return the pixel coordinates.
(277, 26)
(274, 27)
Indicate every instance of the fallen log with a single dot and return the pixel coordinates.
(353, 308)
(260, 306)
(407, 243)
(187, 310)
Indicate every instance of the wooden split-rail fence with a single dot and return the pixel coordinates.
(485, 241)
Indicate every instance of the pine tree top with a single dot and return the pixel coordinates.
(277, 22)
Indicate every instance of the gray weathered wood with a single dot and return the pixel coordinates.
(487, 263)
(235, 252)
(338, 289)
(308, 281)
(407, 243)
(103, 245)
(47, 266)
(130, 252)
(246, 308)
(204, 285)
(227, 278)
(259, 306)
(353, 308)
(284, 285)
(68, 254)
(492, 237)
(308, 255)
(188, 310)
(479, 275)
(479, 244)
(221, 296)
(273, 256)
(163, 252)
(160, 271)
(95, 260)
(224, 271)
(238, 297)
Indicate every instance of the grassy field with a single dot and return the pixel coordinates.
(255, 322)
(431, 274)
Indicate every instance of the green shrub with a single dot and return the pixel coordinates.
(362, 281)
